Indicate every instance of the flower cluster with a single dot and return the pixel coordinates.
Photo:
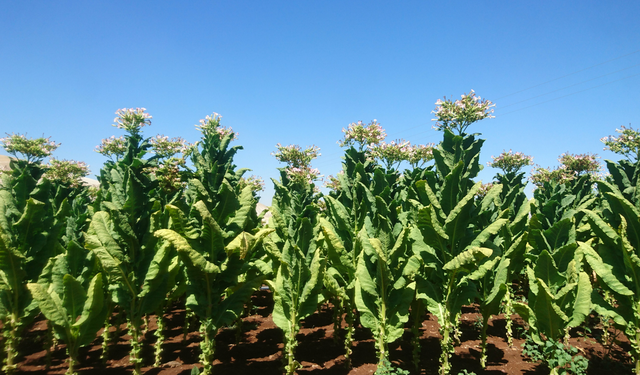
(540, 175)
(295, 156)
(332, 182)
(112, 146)
(510, 162)
(390, 153)
(168, 174)
(298, 162)
(458, 115)
(132, 119)
(303, 175)
(572, 166)
(626, 144)
(580, 163)
(165, 147)
(418, 155)
(67, 172)
(364, 135)
(256, 183)
(210, 125)
(33, 150)
(484, 189)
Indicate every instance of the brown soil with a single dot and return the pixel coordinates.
(259, 349)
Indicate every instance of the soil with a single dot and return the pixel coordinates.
(258, 348)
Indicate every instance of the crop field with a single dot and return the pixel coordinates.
(406, 266)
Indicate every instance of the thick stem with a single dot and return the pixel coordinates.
(207, 346)
(382, 347)
(348, 339)
(290, 349)
(48, 343)
(238, 329)
(337, 317)
(637, 355)
(508, 311)
(446, 345)
(159, 333)
(105, 334)
(186, 325)
(483, 356)
(135, 356)
(417, 311)
(72, 352)
(10, 344)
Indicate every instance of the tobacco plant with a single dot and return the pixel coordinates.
(448, 238)
(299, 260)
(31, 227)
(347, 207)
(216, 236)
(385, 286)
(613, 256)
(76, 311)
(137, 265)
(513, 237)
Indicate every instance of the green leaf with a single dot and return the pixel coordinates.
(468, 257)
(460, 215)
(582, 303)
(73, 297)
(603, 270)
(549, 317)
(100, 240)
(604, 232)
(186, 252)
(546, 270)
(50, 304)
(489, 232)
(93, 314)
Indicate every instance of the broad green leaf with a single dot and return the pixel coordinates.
(73, 296)
(50, 304)
(603, 270)
(310, 296)
(549, 317)
(468, 257)
(546, 270)
(604, 232)
(489, 232)
(211, 231)
(232, 306)
(457, 220)
(187, 252)
(100, 240)
(582, 304)
(93, 313)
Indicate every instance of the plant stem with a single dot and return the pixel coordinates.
(348, 339)
(637, 355)
(445, 367)
(105, 334)
(135, 356)
(208, 346)
(417, 310)
(48, 343)
(337, 317)
(483, 356)
(290, 348)
(508, 311)
(159, 333)
(11, 343)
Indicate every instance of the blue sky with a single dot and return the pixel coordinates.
(562, 74)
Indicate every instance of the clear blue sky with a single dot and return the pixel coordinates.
(563, 74)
